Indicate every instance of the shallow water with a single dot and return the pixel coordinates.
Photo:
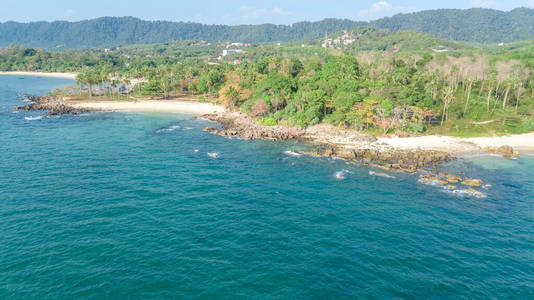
(103, 206)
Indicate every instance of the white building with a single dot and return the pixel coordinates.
(227, 52)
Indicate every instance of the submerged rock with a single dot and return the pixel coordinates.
(451, 178)
(472, 182)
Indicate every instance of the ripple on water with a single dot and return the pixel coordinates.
(104, 207)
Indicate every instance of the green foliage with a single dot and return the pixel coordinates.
(384, 91)
(268, 121)
(388, 106)
(471, 25)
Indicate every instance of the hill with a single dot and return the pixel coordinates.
(471, 25)
(375, 39)
(477, 25)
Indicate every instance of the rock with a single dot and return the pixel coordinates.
(472, 182)
(451, 187)
(475, 193)
(329, 152)
(248, 128)
(442, 182)
(332, 141)
(506, 151)
(429, 179)
(53, 105)
(346, 154)
(452, 178)
(383, 175)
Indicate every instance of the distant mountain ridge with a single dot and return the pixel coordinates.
(476, 25)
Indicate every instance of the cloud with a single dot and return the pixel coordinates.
(382, 9)
(484, 3)
(380, 6)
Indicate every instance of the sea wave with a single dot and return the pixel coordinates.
(172, 128)
(292, 153)
(213, 154)
(342, 175)
(467, 193)
(373, 173)
(31, 118)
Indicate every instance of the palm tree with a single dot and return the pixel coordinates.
(447, 100)
(232, 94)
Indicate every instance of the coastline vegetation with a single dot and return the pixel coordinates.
(406, 83)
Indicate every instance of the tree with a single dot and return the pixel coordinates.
(469, 87)
(447, 99)
(233, 96)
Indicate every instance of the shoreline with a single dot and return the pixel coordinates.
(335, 141)
(42, 74)
(346, 142)
(463, 146)
(413, 155)
(163, 106)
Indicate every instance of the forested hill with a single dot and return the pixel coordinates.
(472, 25)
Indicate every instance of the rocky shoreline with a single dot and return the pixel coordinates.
(362, 149)
(52, 105)
(329, 141)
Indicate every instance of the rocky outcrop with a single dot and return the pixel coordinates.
(472, 182)
(238, 125)
(448, 180)
(53, 105)
(505, 151)
(332, 142)
(389, 159)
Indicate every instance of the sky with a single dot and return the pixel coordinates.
(232, 12)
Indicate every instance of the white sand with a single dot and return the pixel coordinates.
(43, 74)
(188, 107)
(523, 142)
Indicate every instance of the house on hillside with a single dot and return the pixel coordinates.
(227, 52)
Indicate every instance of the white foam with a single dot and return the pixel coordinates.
(213, 155)
(292, 153)
(172, 128)
(434, 182)
(30, 118)
(342, 175)
(468, 193)
(373, 173)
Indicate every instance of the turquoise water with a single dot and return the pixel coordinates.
(101, 206)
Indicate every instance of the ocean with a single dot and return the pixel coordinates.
(102, 206)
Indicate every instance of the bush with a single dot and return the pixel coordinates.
(415, 127)
(313, 115)
(298, 119)
(268, 121)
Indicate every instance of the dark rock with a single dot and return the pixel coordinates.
(54, 106)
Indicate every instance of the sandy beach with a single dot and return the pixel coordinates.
(522, 142)
(43, 74)
(167, 106)
(323, 133)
